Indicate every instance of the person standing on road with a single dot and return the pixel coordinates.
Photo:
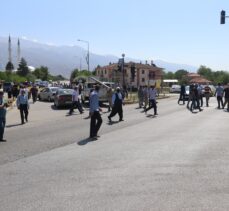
(75, 101)
(182, 94)
(146, 96)
(140, 96)
(15, 91)
(96, 120)
(200, 94)
(226, 97)
(117, 102)
(34, 92)
(2, 116)
(109, 98)
(152, 99)
(195, 99)
(207, 92)
(219, 95)
(191, 95)
(23, 106)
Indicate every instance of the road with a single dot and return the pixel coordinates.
(176, 161)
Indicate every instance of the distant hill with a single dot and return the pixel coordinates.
(63, 59)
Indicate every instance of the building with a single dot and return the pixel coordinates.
(134, 75)
(197, 79)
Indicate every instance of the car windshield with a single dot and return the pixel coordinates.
(91, 85)
(54, 89)
(65, 91)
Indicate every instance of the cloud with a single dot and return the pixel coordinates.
(51, 44)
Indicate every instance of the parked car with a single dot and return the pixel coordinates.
(47, 93)
(175, 88)
(63, 97)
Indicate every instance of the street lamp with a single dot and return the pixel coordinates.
(87, 58)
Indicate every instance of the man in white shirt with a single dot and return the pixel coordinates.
(75, 101)
(152, 99)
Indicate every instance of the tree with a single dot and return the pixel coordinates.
(85, 73)
(168, 75)
(206, 72)
(9, 67)
(23, 69)
(30, 77)
(94, 72)
(42, 73)
(74, 74)
(179, 74)
(80, 79)
(57, 77)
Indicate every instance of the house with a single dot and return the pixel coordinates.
(134, 75)
(195, 78)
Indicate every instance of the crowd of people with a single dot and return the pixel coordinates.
(146, 96)
(197, 93)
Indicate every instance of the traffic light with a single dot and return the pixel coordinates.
(223, 16)
(120, 65)
(119, 68)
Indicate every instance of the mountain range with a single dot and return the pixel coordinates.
(63, 59)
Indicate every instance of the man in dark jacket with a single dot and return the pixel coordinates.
(34, 92)
(117, 102)
(2, 116)
(226, 97)
(182, 94)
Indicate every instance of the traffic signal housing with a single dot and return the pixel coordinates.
(222, 17)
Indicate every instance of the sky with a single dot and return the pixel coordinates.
(178, 31)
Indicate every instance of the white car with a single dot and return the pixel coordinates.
(88, 86)
(47, 93)
(175, 89)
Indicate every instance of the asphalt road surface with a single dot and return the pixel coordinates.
(176, 161)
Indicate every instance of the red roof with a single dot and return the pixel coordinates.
(199, 80)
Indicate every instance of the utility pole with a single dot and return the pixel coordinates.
(88, 54)
(123, 73)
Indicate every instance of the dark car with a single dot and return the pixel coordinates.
(63, 98)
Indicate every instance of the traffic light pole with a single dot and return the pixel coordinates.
(123, 74)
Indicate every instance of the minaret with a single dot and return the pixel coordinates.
(10, 50)
(18, 52)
